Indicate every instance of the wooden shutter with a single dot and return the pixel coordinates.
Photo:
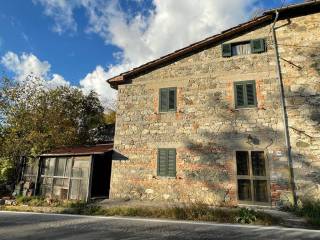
(172, 162)
(172, 98)
(226, 50)
(239, 95)
(164, 100)
(258, 46)
(167, 162)
(167, 99)
(162, 162)
(251, 96)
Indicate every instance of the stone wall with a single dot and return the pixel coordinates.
(299, 47)
(206, 130)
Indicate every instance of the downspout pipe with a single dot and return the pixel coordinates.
(283, 110)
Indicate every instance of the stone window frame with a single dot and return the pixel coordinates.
(243, 83)
(252, 178)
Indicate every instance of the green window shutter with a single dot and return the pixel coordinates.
(167, 162)
(167, 99)
(164, 100)
(239, 95)
(251, 95)
(172, 162)
(245, 94)
(258, 45)
(162, 162)
(226, 50)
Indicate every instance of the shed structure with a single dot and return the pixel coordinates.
(75, 173)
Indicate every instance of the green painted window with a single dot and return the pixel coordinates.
(243, 48)
(167, 99)
(245, 94)
(167, 162)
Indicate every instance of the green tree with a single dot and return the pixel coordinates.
(110, 117)
(34, 119)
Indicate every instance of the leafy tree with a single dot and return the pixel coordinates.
(34, 119)
(110, 117)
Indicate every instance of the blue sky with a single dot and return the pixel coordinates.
(83, 42)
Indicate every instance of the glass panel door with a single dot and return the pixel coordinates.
(258, 164)
(253, 184)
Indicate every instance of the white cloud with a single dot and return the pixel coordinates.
(62, 13)
(56, 81)
(168, 26)
(96, 80)
(28, 64)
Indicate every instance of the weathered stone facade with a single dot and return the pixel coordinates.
(299, 49)
(206, 129)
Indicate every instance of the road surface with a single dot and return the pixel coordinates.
(35, 226)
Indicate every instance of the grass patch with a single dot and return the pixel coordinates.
(195, 212)
(31, 201)
(43, 202)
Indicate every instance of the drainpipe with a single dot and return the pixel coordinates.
(283, 110)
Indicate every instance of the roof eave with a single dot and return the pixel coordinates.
(124, 77)
(72, 154)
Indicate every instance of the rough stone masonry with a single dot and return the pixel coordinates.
(207, 129)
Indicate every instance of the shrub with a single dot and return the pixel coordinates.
(310, 210)
(247, 216)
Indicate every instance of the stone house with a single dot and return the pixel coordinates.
(232, 119)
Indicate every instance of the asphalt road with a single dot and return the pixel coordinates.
(16, 226)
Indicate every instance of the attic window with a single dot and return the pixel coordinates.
(243, 48)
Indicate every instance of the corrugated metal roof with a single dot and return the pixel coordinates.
(81, 150)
